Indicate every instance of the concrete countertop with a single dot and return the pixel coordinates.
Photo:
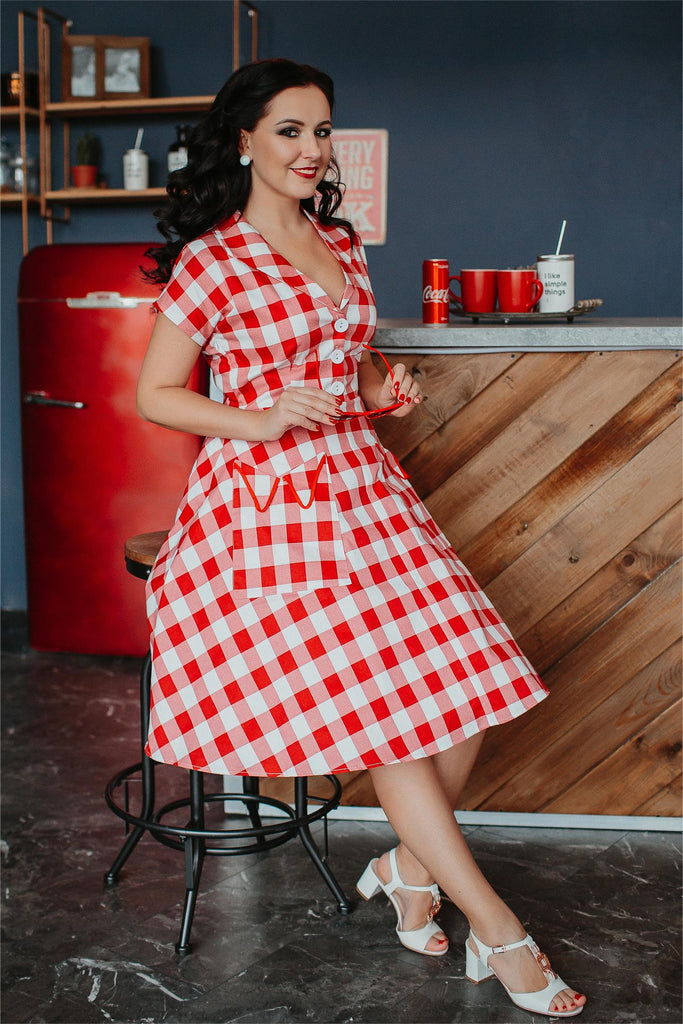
(585, 333)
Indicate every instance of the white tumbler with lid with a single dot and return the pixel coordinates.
(556, 274)
(135, 170)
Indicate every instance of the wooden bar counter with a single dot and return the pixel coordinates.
(550, 456)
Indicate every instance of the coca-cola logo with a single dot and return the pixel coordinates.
(435, 294)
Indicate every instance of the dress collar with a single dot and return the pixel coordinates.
(246, 244)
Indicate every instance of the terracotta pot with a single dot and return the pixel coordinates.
(84, 176)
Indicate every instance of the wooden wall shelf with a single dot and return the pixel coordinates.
(49, 112)
(85, 196)
(109, 108)
(14, 113)
(16, 199)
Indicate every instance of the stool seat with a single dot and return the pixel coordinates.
(141, 552)
(192, 837)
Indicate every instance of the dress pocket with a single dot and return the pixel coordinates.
(286, 531)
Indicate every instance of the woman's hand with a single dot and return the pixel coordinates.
(299, 407)
(402, 387)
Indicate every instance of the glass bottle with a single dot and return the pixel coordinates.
(177, 151)
(6, 171)
(19, 169)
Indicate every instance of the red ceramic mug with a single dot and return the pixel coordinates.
(478, 290)
(518, 290)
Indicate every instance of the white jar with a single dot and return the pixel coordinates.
(556, 274)
(135, 170)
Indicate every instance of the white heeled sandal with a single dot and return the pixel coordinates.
(477, 970)
(416, 939)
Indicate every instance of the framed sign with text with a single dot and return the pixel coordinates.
(363, 157)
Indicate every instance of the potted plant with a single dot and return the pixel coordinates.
(84, 171)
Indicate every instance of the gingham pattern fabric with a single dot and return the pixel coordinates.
(307, 614)
(286, 532)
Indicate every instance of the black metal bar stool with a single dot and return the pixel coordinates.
(193, 838)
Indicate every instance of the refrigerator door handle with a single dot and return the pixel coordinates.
(106, 300)
(42, 398)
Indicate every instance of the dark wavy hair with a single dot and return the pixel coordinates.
(213, 184)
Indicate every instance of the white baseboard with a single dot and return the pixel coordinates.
(613, 822)
(605, 822)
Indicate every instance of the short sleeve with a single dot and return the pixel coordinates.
(197, 294)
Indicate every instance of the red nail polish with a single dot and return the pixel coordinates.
(401, 398)
(408, 399)
(396, 387)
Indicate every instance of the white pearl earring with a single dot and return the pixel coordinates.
(245, 160)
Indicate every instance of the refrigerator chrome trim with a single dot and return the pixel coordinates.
(42, 398)
(106, 300)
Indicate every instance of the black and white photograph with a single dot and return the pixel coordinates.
(83, 81)
(121, 70)
(80, 79)
(104, 67)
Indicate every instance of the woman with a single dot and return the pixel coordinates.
(307, 614)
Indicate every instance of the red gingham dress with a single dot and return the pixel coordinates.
(307, 614)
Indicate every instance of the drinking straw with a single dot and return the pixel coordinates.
(138, 139)
(559, 241)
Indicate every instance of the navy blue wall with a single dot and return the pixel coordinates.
(503, 118)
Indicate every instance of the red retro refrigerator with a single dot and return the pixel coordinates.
(94, 472)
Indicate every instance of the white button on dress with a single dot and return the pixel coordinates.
(337, 356)
(341, 325)
(336, 388)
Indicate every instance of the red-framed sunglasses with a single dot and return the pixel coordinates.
(373, 413)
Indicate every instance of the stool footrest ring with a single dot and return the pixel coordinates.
(193, 839)
(282, 830)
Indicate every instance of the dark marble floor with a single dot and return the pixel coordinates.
(269, 945)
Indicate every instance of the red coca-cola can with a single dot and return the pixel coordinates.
(435, 292)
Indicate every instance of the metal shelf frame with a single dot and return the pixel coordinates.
(22, 113)
(50, 111)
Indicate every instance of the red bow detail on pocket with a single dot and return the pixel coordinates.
(286, 479)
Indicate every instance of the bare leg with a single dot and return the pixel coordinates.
(420, 812)
(453, 767)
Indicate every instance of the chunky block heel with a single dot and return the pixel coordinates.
(368, 884)
(476, 970)
(416, 939)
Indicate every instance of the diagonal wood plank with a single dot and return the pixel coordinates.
(594, 532)
(601, 596)
(634, 773)
(449, 383)
(667, 802)
(578, 746)
(591, 672)
(586, 468)
(495, 410)
(360, 791)
(539, 441)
